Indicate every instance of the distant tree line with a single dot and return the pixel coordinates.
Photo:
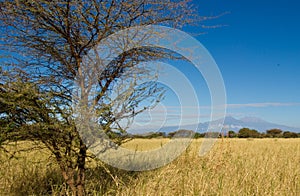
(242, 133)
(271, 133)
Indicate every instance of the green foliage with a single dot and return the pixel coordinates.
(182, 133)
(288, 134)
(232, 134)
(274, 132)
(248, 133)
(151, 135)
(199, 135)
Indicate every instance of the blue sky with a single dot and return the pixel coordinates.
(257, 50)
(258, 53)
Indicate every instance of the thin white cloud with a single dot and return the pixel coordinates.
(240, 105)
(260, 105)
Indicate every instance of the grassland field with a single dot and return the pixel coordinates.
(232, 167)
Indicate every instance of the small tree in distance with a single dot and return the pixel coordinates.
(232, 134)
(288, 134)
(274, 132)
(248, 133)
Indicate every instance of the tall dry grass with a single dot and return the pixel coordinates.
(232, 167)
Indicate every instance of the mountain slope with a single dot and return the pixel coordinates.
(230, 123)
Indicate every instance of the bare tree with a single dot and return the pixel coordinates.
(47, 41)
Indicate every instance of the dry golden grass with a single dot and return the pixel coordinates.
(145, 144)
(232, 167)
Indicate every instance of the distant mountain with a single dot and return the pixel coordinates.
(231, 123)
(261, 125)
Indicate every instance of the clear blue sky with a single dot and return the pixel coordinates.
(258, 53)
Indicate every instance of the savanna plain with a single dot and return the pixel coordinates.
(266, 166)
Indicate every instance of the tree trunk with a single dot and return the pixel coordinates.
(74, 172)
(75, 179)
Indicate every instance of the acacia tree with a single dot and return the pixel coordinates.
(246, 133)
(274, 132)
(47, 41)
